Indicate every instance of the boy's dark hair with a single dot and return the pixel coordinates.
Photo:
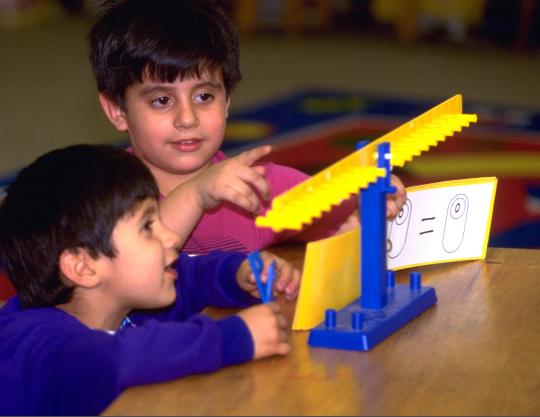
(163, 40)
(66, 199)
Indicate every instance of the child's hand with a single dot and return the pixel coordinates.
(268, 328)
(287, 279)
(395, 201)
(235, 180)
(351, 223)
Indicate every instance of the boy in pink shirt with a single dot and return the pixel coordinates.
(165, 72)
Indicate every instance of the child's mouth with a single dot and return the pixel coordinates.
(188, 145)
(171, 270)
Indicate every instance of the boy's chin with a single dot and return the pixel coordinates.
(169, 300)
(164, 301)
(193, 163)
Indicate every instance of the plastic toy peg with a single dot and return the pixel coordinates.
(257, 265)
(357, 320)
(390, 279)
(330, 318)
(415, 281)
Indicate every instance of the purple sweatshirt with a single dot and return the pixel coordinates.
(52, 364)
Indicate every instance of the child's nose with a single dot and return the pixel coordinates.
(170, 238)
(186, 116)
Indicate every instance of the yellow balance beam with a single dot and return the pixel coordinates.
(300, 205)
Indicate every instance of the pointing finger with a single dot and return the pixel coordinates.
(249, 157)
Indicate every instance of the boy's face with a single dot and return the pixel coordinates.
(140, 276)
(176, 128)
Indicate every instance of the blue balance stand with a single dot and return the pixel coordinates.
(384, 306)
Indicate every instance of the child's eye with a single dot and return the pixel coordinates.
(203, 97)
(148, 226)
(161, 102)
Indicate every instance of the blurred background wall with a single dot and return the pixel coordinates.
(397, 56)
(485, 49)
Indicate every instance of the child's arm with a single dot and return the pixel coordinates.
(206, 280)
(80, 371)
(395, 201)
(220, 279)
(235, 180)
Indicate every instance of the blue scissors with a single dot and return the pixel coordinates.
(265, 289)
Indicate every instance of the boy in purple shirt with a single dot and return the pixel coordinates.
(103, 301)
(165, 72)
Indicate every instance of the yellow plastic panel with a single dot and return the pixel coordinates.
(331, 278)
(298, 206)
(309, 199)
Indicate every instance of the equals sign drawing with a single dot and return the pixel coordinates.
(425, 219)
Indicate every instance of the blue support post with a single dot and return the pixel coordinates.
(384, 306)
(373, 238)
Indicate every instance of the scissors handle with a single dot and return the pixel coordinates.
(265, 289)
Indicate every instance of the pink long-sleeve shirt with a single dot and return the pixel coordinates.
(228, 227)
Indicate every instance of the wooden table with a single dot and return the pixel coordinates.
(476, 352)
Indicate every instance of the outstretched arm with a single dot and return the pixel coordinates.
(235, 180)
(395, 201)
(79, 371)
(321, 227)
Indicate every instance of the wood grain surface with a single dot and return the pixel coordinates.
(477, 351)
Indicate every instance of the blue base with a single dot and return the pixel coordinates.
(403, 305)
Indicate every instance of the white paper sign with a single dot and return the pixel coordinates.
(442, 222)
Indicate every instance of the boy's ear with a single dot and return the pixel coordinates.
(79, 267)
(114, 113)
